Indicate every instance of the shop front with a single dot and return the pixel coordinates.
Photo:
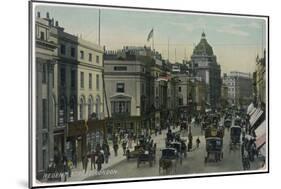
(76, 146)
(96, 134)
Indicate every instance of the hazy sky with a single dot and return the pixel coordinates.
(235, 40)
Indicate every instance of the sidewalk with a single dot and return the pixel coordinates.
(78, 174)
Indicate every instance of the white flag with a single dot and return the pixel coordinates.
(150, 35)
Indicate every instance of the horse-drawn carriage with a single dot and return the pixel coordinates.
(214, 144)
(146, 156)
(138, 149)
(235, 137)
(180, 150)
(168, 161)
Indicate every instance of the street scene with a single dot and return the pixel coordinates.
(124, 94)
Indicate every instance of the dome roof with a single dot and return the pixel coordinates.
(203, 47)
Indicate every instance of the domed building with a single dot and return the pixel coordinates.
(205, 65)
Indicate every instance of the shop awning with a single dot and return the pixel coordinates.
(252, 112)
(261, 134)
(250, 108)
(261, 129)
(256, 115)
(261, 141)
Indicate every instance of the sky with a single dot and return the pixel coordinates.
(236, 40)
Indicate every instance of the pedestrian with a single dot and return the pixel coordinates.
(69, 166)
(124, 145)
(85, 163)
(115, 147)
(100, 160)
(93, 159)
(106, 153)
(197, 142)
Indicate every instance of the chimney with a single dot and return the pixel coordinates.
(48, 15)
(38, 14)
(57, 24)
(52, 22)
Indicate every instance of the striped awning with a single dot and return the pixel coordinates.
(255, 116)
(261, 141)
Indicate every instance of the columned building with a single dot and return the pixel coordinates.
(45, 52)
(126, 89)
(69, 92)
(204, 65)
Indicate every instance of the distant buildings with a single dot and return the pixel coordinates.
(239, 87)
(204, 65)
(259, 84)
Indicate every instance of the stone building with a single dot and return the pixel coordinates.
(135, 88)
(69, 91)
(204, 65)
(259, 78)
(45, 57)
(239, 87)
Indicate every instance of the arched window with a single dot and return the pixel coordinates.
(98, 107)
(81, 109)
(90, 107)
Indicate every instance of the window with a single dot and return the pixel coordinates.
(42, 35)
(98, 82)
(90, 57)
(62, 76)
(90, 108)
(179, 89)
(180, 101)
(97, 59)
(44, 113)
(72, 52)
(120, 106)
(120, 68)
(120, 88)
(44, 74)
(82, 54)
(62, 49)
(90, 81)
(82, 79)
(81, 106)
(73, 78)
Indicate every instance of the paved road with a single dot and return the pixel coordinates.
(194, 163)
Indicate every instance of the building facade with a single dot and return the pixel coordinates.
(260, 81)
(204, 65)
(239, 87)
(69, 91)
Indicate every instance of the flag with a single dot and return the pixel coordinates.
(150, 35)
